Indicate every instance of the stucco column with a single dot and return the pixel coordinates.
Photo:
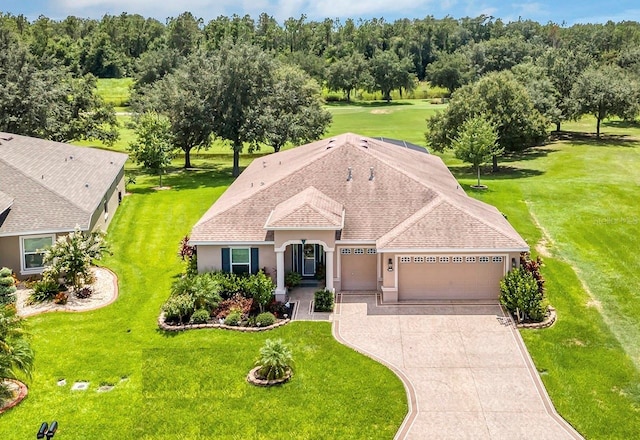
(328, 260)
(281, 290)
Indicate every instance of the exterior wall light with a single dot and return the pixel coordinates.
(390, 265)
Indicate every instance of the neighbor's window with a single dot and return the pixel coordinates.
(33, 251)
(241, 261)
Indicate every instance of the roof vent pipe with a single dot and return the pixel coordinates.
(371, 175)
(350, 176)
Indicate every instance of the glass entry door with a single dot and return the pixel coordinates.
(309, 260)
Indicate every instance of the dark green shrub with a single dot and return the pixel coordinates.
(323, 301)
(44, 290)
(520, 295)
(200, 316)
(275, 360)
(265, 319)
(7, 287)
(179, 308)
(321, 272)
(261, 289)
(203, 289)
(234, 317)
(292, 279)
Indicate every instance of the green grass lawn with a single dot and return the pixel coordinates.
(115, 91)
(190, 385)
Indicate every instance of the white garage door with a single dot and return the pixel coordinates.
(358, 269)
(450, 277)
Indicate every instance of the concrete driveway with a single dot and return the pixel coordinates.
(465, 369)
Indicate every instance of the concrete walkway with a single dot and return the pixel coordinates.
(465, 369)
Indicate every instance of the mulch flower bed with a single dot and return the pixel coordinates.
(181, 327)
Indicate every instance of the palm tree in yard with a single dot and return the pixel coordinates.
(16, 357)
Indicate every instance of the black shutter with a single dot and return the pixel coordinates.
(226, 260)
(255, 262)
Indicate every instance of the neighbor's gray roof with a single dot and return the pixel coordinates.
(54, 186)
(412, 201)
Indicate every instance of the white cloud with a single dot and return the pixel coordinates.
(148, 8)
(530, 10)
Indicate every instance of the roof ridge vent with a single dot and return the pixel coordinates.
(350, 175)
(371, 175)
(331, 142)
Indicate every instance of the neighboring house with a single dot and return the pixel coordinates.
(46, 190)
(373, 215)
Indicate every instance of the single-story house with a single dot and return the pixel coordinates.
(46, 190)
(372, 215)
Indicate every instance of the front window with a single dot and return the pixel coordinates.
(33, 251)
(241, 261)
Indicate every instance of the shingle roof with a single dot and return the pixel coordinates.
(389, 187)
(308, 209)
(55, 186)
(5, 202)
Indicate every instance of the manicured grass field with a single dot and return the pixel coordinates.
(575, 197)
(115, 91)
(190, 385)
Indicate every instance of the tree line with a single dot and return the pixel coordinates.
(519, 76)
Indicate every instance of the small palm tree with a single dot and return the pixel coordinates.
(275, 360)
(15, 354)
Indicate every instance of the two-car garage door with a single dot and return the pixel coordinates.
(450, 277)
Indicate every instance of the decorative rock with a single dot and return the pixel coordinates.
(254, 380)
(62, 382)
(548, 321)
(20, 394)
(80, 386)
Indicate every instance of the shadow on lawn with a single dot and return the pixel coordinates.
(504, 172)
(605, 140)
(366, 104)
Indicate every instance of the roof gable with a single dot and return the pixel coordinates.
(309, 209)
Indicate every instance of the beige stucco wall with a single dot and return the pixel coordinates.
(98, 220)
(10, 253)
(210, 258)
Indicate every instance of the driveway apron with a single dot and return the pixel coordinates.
(465, 368)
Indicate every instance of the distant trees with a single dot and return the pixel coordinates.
(605, 92)
(503, 101)
(348, 74)
(391, 73)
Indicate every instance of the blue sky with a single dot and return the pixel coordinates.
(543, 11)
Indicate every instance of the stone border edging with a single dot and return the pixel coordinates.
(254, 380)
(22, 393)
(178, 328)
(548, 321)
(64, 308)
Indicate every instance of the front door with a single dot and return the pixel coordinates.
(309, 260)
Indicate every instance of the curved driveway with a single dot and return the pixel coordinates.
(465, 369)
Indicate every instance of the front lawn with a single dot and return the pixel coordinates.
(192, 384)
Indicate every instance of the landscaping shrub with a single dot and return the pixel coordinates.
(237, 302)
(44, 290)
(321, 272)
(84, 293)
(72, 254)
(323, 301)
(61, 298)
(275, 360)
(200, 316)
(519, 293)
(230, 284)
(292, 279)
(234, 317)
(261, 289)
(533, 267)
(265, 319)
(179, 308)
(7, 287)
(203, 289)
(279, 309)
